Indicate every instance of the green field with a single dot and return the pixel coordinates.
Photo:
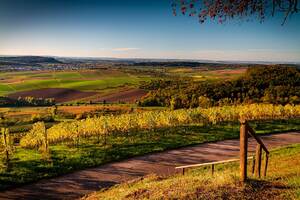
(84, 80)
(101, 79)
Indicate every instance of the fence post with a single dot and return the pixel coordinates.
(266, 164)
(212, 169)
(258, 160)
(243, 151)
(253, 165)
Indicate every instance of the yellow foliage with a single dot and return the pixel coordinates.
(100, 126)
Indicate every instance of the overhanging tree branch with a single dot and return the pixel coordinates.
(223, 10)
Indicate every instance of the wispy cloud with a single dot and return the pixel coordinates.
(261, 50)
(126, 49)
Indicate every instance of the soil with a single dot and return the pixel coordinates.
(59, 94)
(126, 96)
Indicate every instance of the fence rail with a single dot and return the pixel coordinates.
(259, 141)
(184, 167)
(245, 131)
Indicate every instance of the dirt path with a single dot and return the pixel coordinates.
(79, 183)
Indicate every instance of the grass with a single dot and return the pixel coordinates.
(5, 89)
(85, 80)
(27, 165)
(97, 80)
(207, 75)
(85, 85)
(282, 182)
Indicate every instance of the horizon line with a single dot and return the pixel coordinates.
(144, 58)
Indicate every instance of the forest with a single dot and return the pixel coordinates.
(260, 84)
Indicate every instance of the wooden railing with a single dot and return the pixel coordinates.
(212, 164)
(245, 131)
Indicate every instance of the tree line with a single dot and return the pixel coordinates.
(263, 84)
(26, 101)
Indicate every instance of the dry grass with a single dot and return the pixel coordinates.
(231, 71)
(80, 109)
(90, 108)
(282, 182)
(26, 112)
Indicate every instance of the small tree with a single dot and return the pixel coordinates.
(39, 131)
(8, 147)
(2, 117)
(75, 130)
(175, 103)
(102, 130)
(105, 130)
(53, 111)
(225, 102)
(35, 118)
(45, 143)
(204, 102)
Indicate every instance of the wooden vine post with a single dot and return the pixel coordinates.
(6, 144)
(243, 151)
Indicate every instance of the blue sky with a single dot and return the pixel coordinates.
(138, 29)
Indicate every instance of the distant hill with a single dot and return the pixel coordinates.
(25, 60)
(166, 62)
(268, 84)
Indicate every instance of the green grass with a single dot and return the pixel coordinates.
(86, 80)
(67, 75)
(282, 182)
(4, 89)
(91, 80)
(84, 85)
(99, 84)
(67, 158)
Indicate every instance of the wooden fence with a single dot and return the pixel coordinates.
(212, 164)
(245, 132)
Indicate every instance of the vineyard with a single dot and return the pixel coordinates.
(125, 123)
(67, 146)
(97, 93)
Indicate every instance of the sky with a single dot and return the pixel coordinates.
(139, 29)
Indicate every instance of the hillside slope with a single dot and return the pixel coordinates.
(29, 60)
(282, 182)
(268, 84)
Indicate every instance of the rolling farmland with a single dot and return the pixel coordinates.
(85, 83)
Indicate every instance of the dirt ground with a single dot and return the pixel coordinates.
(128, 96)
(64, 95)
(59, 94)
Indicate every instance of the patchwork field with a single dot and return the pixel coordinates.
(205, 74)
(67, 86)
(59, 94)
(124, 94)
(110, 84)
